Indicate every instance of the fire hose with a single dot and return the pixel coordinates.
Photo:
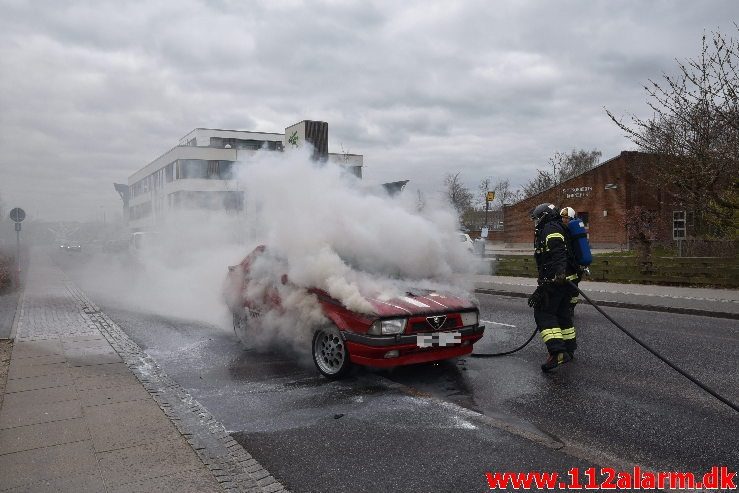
(633, 337)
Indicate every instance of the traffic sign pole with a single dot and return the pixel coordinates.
(18, 254)
(18, 215)
(489, 197)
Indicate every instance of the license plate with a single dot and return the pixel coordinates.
(440, 339)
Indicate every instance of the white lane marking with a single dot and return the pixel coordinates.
(497, 323)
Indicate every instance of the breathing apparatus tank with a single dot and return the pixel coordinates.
(579, 242)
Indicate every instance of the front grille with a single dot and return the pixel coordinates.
(421, 325)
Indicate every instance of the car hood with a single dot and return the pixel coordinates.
(413, 304)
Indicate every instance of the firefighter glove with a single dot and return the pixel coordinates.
(536, 298)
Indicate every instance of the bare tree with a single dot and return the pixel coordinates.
(544, 180)
(458, 195)
(561, 167)
(643, 230)
(504, 194)
(575, 163)
(485, 186)
(694, 131)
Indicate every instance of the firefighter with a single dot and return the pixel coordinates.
(551, 301)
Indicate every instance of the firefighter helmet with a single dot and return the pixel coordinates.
(542, 211)
(567, 212)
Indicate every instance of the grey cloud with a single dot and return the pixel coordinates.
(95, 90)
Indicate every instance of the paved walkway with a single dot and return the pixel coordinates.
(74, 417)
(718, 302)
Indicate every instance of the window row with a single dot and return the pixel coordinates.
(183, 169)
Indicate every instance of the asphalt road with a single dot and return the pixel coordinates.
(615, 397)
(363, 434)
(440, 427)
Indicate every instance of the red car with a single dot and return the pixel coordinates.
(415, 328)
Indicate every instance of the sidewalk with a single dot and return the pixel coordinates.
(722, 303)
(74, 417)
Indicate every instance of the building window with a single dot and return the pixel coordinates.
(219, 201)
(193, 168)
(356, 171)
(212, 169)
(678, 225)
(227, 170)
(690, 219)
(140, 211)
(169, 172)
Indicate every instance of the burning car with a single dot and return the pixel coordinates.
(418, 327)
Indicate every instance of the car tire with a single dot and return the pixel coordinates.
(241, 328)
(330, 354)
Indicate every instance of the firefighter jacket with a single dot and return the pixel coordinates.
(553, 252)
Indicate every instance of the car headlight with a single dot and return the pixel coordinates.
(470, 318)
(388, 327)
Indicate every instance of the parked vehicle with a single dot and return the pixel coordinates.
(415, 328)
(468, 243)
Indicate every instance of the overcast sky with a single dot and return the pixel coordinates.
(92, 91)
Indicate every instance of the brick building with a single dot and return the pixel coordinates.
(602, 197)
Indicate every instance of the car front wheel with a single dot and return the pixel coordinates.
(240, 328)
(330, 354)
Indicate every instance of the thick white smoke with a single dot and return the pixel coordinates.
(323, 227)
(351, 241)
(177, 273)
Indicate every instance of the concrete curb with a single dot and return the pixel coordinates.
(621, 304)
(18, 313)
(231, 465)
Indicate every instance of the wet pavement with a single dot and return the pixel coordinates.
(615, 397)
(363, 433)
(615, 405)
(440, 427)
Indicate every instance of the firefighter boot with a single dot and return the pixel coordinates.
(555, 360)
(571, 346)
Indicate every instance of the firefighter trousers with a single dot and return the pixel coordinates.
(554, 319)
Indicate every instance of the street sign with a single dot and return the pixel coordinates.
(17, 215)
(490, 197)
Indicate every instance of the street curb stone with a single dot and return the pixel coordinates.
(622, 304)
(231, 465)
(18, 313)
